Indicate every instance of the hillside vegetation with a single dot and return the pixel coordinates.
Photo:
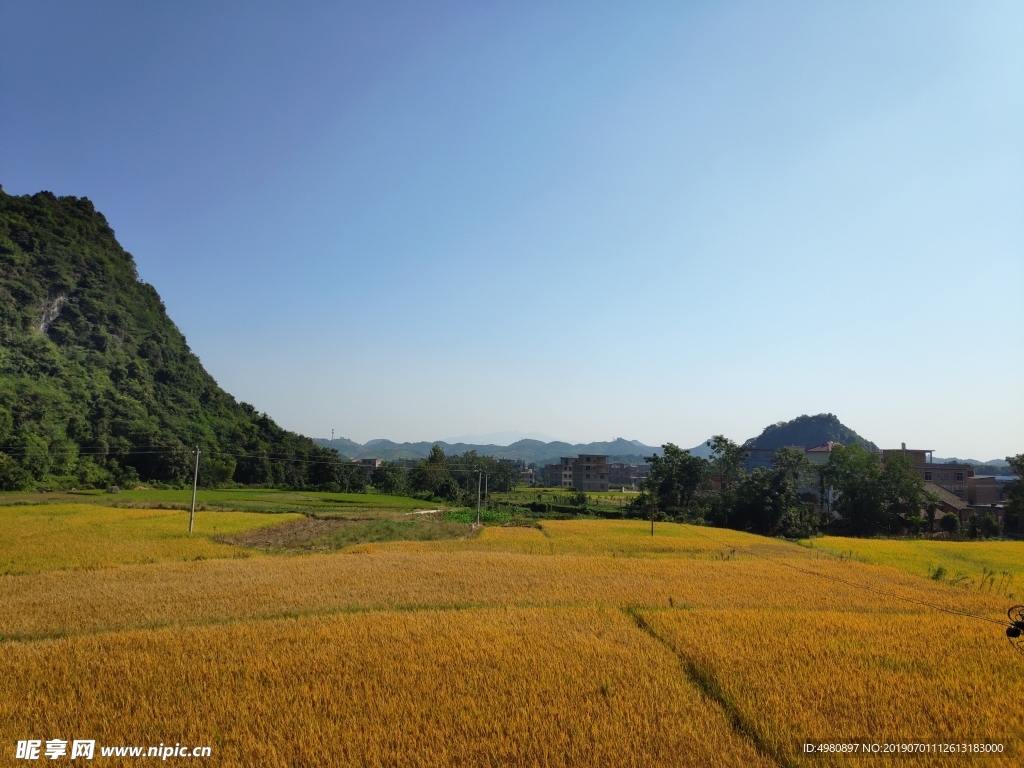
(97, 384)
(808, 431)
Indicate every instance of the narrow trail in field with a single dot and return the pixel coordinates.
(707, 684)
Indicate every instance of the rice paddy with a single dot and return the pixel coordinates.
(995, 565)
(574, 643)
(35, 538)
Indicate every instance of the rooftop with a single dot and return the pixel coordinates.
(825, 447)
(945, 496)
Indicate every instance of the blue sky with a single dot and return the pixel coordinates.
(591, 220)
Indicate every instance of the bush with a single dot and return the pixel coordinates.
(578, 499)
(950, 523)
(988, 526)
(468, 516)
(12, 476)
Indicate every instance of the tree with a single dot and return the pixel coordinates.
(332, 473)
(950, 523)
(674, 479)
(856, 475)
(759, 502)
(903, 493)
(876, 496)
(12, 476)
(468, 466)
(988, 527)
(726, 459)
(768, 501)
(433, 476)
(389, 478)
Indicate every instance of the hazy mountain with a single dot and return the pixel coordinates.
(992, 463)
(499, 438)
(344, 446)
(807, 431)
(703, 450)
(530, 451)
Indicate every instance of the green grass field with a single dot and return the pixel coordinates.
(974, 564)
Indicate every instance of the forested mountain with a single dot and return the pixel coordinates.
(97, 384)
(808, 431)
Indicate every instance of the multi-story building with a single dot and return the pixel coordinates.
(560, 474)
(952, 477)
(987, 490)
(590, 473)
(630, 475)
(584, 473)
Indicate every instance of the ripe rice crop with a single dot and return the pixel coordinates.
(615, 538)
(46, 537)
(182, 593)
(796, 677)
(578, 643)
(967, 563)
(493, 687)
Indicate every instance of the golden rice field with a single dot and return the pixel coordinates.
(40, 537)
(964, 561)
(613, 538)
(575, 686)
(580, 643)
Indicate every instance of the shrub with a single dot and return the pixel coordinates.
(950, 523)
(988, 526)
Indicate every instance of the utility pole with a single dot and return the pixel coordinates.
(652, 515)
(478, 474)
(332, 438)
(195, 482)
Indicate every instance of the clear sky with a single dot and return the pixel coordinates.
(594, 220)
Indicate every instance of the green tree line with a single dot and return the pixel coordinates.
(451, 479)
(856, 492)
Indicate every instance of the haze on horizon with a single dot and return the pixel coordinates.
(408, 221)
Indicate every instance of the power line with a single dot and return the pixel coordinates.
(260, 457)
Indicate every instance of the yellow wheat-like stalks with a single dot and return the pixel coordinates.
(492, 687)
(44, 537)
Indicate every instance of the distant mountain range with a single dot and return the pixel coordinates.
(807, 431)
(992, 463)
(530, 451)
